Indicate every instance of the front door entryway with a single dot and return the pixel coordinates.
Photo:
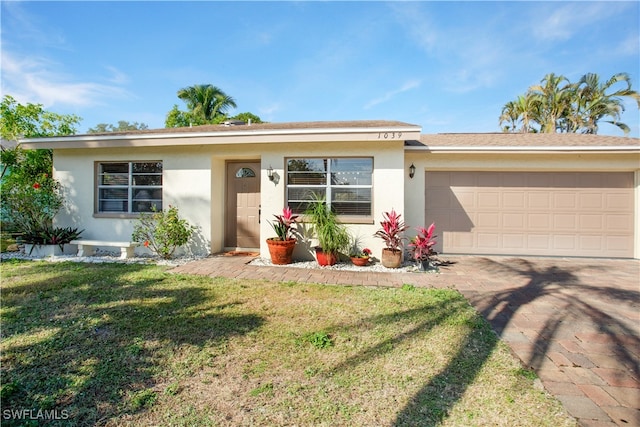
(242, 228)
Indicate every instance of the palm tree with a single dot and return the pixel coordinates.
(593, 103)
(206, 102)
(556, 105)
(522, 110)
(553, 102)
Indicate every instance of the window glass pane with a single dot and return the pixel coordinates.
(307, 165)
(299, 198)
(351, 178)
(359, 209)
(147, 206)
(129, 187)
(114, 174)
(245, 173)
(362, 195)
(352, 165)
(114, 168)
(114, 193)
(114, 179)
(147, 167)
(349, 186)
(305, 193)
(113, 206)
(147, 180)
(307, 172)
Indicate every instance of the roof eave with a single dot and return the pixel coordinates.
(526, 149)
(243, 136)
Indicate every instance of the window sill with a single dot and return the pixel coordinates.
(117, 215)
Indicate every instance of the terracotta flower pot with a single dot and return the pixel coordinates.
(361, 262)
(391, 258)
(281, 251)
(326, 258)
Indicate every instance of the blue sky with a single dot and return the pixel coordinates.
(446, 66)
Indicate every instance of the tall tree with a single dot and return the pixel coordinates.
(521, 112)
(206, 102)
(123, 126)
(30, 195)
(552, 99)
(556, 105)
(597, 100)
(30, 121)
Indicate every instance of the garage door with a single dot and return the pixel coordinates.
(514, 213)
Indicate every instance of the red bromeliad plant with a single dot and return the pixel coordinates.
(422, 245)
(284, 224)
(392, 228)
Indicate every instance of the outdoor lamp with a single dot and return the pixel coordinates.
(270, 173)
(412, 171)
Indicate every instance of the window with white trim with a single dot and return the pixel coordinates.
(345, 182)
(129, 187)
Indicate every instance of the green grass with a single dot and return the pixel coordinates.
(116, 344)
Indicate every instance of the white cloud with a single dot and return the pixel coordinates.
(411, 84)
(36, 80)
(565, 21)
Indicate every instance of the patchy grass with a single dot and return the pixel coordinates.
(115, 344)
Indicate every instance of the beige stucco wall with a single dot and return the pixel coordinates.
(388, 160)
(533, 162)
(194, 180)
(186, 184)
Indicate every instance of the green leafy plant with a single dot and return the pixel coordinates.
(319, 340)
(332, 235)
(30, 203)
(162, 231)
(51, 236)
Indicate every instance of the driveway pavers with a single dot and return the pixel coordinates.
(575, 321)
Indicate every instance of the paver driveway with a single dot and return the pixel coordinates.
(575, 321)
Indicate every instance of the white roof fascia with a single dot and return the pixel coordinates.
(527, 149)
(242, 136)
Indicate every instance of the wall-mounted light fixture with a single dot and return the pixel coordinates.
(412, 171)
(270, 173)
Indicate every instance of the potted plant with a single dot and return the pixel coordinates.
(391, 233)
(360, 257)
(281, 247)
(421, 246)
(333, 237)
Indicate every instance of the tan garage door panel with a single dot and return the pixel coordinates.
(534, 213)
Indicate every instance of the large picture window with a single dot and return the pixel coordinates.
(346, 183)
(129, 187)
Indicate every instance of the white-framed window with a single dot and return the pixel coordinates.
(345, 182)
(129, 187)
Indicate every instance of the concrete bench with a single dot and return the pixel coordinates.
(87, 247)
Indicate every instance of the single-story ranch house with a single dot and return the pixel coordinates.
(494, 193)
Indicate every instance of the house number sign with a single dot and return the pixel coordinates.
(389, 135)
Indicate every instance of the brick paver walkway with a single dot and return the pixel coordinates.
(576, 322)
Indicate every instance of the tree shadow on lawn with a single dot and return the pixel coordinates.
(89, 337)
(430, 405)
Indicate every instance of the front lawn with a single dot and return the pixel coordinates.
(115, 344)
